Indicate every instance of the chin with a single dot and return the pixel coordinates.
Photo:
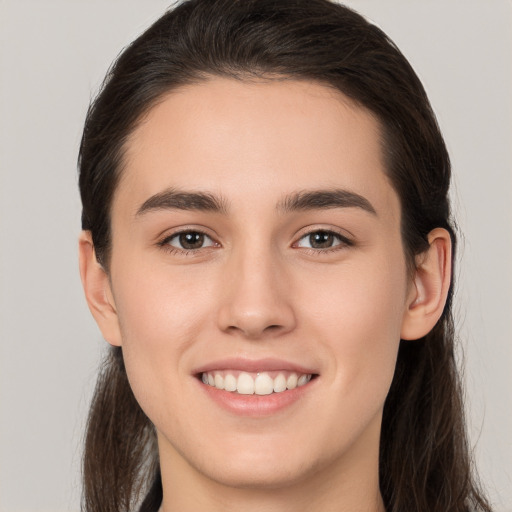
(268, 463)
(258, 476)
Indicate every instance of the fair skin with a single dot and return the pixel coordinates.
(271, 282)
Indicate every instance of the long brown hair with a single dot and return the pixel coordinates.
(425, 462)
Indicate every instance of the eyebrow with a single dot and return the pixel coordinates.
(173, 199)
(324, 199)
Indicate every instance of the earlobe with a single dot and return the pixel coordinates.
(429, 289)
(97, 289)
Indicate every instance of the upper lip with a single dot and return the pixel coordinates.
(254, 365)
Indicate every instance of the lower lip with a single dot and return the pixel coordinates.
(256, 405)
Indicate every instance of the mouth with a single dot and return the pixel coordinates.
(255, 383)
(256, 388)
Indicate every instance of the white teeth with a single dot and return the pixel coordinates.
(291, 381)
(303, 379)
(261, 384)
(245, 384)
(219, 381)
(280, 383)
(229, 382)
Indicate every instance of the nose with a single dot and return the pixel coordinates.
(256, 300)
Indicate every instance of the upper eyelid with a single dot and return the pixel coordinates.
(177, 234)
(166, 235)
(343, 234)
(164, 243)
(343, 239)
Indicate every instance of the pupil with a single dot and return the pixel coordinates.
(191, 240)
(321, 240)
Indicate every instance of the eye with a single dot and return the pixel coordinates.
(323, 239)
(189, 240)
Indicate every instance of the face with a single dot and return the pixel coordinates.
(256, 247)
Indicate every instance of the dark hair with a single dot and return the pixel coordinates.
(425, 461)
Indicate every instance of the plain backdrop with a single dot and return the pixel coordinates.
(53, 55)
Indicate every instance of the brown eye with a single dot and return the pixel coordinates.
(190, 240)
(323, 239)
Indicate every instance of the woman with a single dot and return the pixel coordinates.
(268, 248)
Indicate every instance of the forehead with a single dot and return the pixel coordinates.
(250, 139)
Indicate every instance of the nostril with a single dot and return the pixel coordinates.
(256, 331)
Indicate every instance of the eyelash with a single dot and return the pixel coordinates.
(342, 242)
(165, 243)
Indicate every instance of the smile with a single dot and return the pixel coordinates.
(255, 383)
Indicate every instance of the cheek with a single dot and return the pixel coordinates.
(359, 315)
(160, 314)
(158, 307)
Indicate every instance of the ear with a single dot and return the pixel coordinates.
(98, 292)
(429, 289)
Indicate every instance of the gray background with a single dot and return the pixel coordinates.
(53, 55)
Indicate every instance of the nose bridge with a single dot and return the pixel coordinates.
(256, 299)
